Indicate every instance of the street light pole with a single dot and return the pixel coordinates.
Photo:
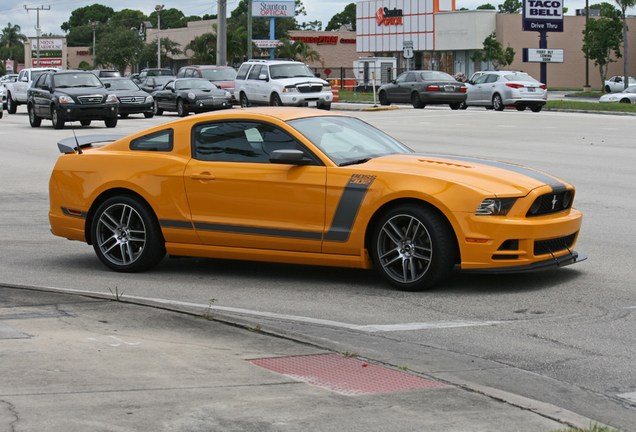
(159, 8)
(587, 56)
(94, 26)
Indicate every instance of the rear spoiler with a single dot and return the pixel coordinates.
(71, 144)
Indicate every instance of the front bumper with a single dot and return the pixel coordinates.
(205, 105)
(306, 99)
(136, 108)
(74, 112)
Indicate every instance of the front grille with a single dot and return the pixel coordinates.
(309, 88)
(132, 99)
(92, 99)
(551, 203)
(542, 247)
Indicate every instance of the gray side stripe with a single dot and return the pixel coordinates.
(556, 185)
(167, 223)
(348, 207)
(273, 232)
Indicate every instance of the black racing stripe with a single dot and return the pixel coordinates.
(67, 212)
(272, 232)
(167, 223)
(556, 185)
(348, 207)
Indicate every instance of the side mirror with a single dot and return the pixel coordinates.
(287, 156)
(107, 85)
(393, 82)
(24, 79)
(262, 77)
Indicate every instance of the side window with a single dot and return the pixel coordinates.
(401, 79)
(158, 141)
(410, 77)
(240, 141)
(181, 73)
(190, 73)
(492, 78)
(255, 72)
(39, 83)
(45, 80)
(242, 72)
(481, 79)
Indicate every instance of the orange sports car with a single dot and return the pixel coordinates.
(307, 187)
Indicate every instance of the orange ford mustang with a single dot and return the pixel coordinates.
(303, 186)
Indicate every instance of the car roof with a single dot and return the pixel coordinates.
(280, 113)
(208, 67)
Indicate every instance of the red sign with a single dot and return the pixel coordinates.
(322, 40)
(46, 62)
(386, 16)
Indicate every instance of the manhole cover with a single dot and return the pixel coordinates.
(345, 375)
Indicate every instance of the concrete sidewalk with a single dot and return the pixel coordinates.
(75, 363)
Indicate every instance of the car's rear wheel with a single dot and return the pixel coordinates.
(497, 102)
(85, 122)
(58, 123)
(455, 106)
(324, 106)
(384, 100)
(110, 122)
(158, 111)
(275, 100)
(416, 101)
(521, 108)
(244, 100)
(34, 120)
(12, 107)
(182, 111)
(413, 247)
(463, 106)
(126, 235)
(536, 108)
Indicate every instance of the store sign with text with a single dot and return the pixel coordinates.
(386, 16)
(274, 9)
(543, 15)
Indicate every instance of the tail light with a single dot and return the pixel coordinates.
(432, 88)
(463, 89)
(514, 85)
(543, 86)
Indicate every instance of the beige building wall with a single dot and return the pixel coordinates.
(77, 55)
(337, 48)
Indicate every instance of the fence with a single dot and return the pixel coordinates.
(345, 78)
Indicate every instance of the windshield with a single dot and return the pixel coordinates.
(121, 84)
(86, 79)
(160, 72)
(199, 83)
(219, 74)
(291, 70)
(347, 140)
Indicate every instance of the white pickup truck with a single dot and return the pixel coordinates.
(17, 91)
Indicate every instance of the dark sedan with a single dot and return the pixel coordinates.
(422, 88)
(186, 95)
(132, 99)
(153, 83)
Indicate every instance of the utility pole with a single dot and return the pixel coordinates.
(159, 8)
(221, 33)
(37, 29)
(249, 29)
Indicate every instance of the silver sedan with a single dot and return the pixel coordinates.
(501, 89)
(626, 96)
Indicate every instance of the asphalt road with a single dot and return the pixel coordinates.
(564, 337)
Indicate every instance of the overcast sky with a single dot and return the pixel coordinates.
(60, 10)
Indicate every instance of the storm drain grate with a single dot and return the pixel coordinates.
(345, 375)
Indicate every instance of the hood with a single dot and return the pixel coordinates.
(81, 91)
(303, 80)
(488, 176)
(224, 84)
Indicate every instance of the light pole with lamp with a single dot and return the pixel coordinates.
(158, 8)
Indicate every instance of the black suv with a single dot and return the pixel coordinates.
(70, 96)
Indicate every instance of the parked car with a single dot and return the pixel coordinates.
(17, 90)
(617, 84)
(70, 95)
(132, 99)
(8, 78)
(500, 89)
(421, 88)
(153, 83)
(186, 95)
(281, 82)
(626, 96)
(298, 186)
(106, 73)
(221, 76)
(154, 72)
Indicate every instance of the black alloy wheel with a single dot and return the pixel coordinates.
(384, 100)
(126, 235)
(413, 247)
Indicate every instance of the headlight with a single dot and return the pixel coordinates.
(149, 99)
(65, 100)
(228, 95)
(290, 90)
(495, 206)
(326, 87)
(191, 96)
(111, 98)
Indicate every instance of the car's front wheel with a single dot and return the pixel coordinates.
(244, 100)
(12, 107)
(416, 101)
(384, 100)
(275, 100)
(110, 122)
(497, 102)
(58, 123)
(149, 115)
(34, 120)
(158, 111)
(413, 247)
(182, 111)
(126, 235)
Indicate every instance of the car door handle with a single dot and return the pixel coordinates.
(204, 176)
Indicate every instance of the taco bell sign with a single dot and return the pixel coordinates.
(543, 15)
(274, 9)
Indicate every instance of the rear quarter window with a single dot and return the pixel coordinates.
(161, 141)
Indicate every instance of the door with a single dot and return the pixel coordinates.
(405, 84)
(239, 199)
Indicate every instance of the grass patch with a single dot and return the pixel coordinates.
(356, 97)
(590, 106)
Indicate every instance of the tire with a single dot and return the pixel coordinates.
(625, 100)
(124, 116)
(110, 122)
(181, 108)
(58, 123)
(12, 106)
(126, 235)
(455, 106)
(149, 115)
(497, 102)
(413, 247)
(85, 122)
(158, 111)
(274, 100)
(521, 108)
(384, 100)
(244, 101)
(416, 101)
(463, 106)
(325, 106)
(608, 89)
(536, 108)
(34, 120)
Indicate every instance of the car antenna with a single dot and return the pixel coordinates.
(79, 149)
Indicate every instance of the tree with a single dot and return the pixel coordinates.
(170, 18)
(119, 47)
(12, 43)
(494, 52)
(84, 15)
(128, 18)
(602, 41)
(149, 52)
(203, 49)
(624, 5)
(486, 6)
(311, 26)
(297, 50)
(345, 18)
(511, 6)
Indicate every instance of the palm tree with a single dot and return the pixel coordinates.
(203, 48)
(298, 50)
(624, 5)
(11, 36)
